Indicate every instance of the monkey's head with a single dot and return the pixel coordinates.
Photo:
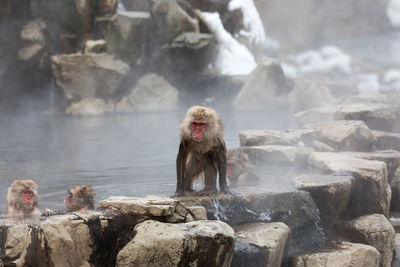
(25, 190)
(200, 124)
(80, 197)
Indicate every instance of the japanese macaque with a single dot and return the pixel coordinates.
(23, 200)
(201, 150)
(80, 198)
(239, 170)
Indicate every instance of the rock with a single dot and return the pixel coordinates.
(260, 244)
(151, 207)
(5, 9)
(322, 147)
(126, 35)
(396, 258)
(270, 137)
(366, 98)
(152, 92)
(380, 117)
(95, 46)
(107, 6)
(315, 115)
(331, 193)
(201, 243)
(266, 88)
(371, 193)
(341, 88)
(277, 154)
(88, 75)
(308, 95)
(344, 135)
(330, 20)
(395, 187)
(90, 107)
(387, 140)
(374, 230)
(344, 254)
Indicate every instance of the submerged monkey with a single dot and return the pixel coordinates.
(201, 150)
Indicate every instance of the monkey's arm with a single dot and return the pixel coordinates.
(221, 162)
(181, 184)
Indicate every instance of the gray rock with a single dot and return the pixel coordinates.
(387, 140)
(137, 5)
(308, 95)
(260, 244)
(90, 107)
(107, 6)
(315, 115)
(331, 193)
(201, 243)
(88, 75)
(270, 137)
(395, 187)
(265, 88)
(371, 192)
(396, 247)
(380, 117)
(344, 135)
(152, 92)
(344, 254)
(374, 230)
(126, 35)
(95, 46)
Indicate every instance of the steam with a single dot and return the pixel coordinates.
(393, 12)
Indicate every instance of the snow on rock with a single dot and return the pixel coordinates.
(393, 12)
(233, 58)
(252, 22)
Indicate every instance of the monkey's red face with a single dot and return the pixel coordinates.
(27, 196)
(198, 128)
(68, 198)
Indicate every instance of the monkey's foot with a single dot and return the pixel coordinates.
(226, 191)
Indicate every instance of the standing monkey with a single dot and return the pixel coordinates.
(22, 200)
(202, 149)
(80, 198)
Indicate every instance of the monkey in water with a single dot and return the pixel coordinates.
(201, 150)
(23, 200)
(80, 198)
(239, 170)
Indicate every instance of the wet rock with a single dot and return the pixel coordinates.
(331, 193)
(344, 254)
(201, 243)
(95, 46)
(126, 35)
(278, 154)
(381, 117)
(387, 140)
(315, 115)
(395, 187)
(260, 244)
(371, 192)
(266, 88)
(90, 107)
(396, 247)
(88, 75)
(136, 5)
(152, 207)
(374, 230)
(152, 92)
(308, 94)
(344, 135)
(270, 137)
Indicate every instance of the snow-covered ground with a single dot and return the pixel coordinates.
(393, 12)
(233, 58)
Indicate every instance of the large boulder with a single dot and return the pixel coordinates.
(387, 140)
(344, 254)
(315, 115)
(374, 230)
(371, 193)
(380, 117)
(344, 135)
(152, 92)
(270, 137)
(88, 75)
(266, 88)
(127, 36)
(200, 243)
(331, 193)
(308, 94)
(260, 244)
(90, 107)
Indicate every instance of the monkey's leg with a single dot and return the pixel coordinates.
(181, 185)
(210, 176)
(194, 168)
(220, 157)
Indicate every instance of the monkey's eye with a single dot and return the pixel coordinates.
(199, 123)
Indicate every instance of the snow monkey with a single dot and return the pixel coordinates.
(22, 200)
(80, 198)
(239, 170)
(202, 149)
